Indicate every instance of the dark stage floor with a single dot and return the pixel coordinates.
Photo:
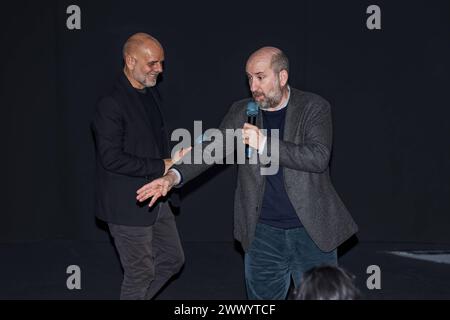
(212, 271)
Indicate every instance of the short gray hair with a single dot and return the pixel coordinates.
(280, 62)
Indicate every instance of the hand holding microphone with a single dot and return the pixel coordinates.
(252, 136)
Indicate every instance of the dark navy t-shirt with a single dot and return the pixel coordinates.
(277, 209)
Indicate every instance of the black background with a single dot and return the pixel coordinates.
(388, 89)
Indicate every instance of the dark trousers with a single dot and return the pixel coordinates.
(277, 255)
(150, 256)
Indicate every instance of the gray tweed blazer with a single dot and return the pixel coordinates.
(304, 155)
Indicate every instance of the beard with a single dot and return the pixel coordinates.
(147, 80)
(272, 99)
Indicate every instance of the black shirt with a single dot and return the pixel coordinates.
(156, 120)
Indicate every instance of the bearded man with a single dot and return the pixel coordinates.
(132, 148)
(293, 220)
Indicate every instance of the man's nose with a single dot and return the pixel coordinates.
(159, 67)
(253, 86)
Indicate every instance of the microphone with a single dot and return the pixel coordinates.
(252, 113)
(200, 139)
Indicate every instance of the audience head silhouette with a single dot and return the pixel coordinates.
(327, 283)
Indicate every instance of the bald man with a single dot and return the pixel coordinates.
(293, 220)
(132, 148)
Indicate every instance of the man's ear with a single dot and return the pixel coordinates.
(283, 76)
(130, 62)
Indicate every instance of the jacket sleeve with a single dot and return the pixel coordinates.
(313, 155)
(190, 171)
(109, 131)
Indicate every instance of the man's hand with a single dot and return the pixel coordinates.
(253, 136)
(157, 188)
(168, 163)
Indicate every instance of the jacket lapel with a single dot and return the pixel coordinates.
(293, 113)
(139, 107)
(157, 99)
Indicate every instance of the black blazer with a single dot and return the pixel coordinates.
(127, 156)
